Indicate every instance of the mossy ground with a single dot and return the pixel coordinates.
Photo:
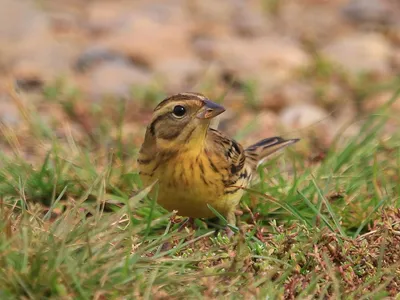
(75, 222)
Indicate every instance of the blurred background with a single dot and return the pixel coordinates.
(296, 68)
(79, 80)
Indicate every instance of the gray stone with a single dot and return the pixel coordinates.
(270, 61)
(9, 113)
(116, 79)
(369, 11)
(360, 52)
(178, 74)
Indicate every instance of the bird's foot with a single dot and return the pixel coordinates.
(188, 223)
(229, 232)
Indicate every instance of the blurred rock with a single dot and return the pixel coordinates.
(229, 17)
(163, 11)
(309, 120)
(316, 21)
(375, 101)
(106, 16)
(9, 113)
(331, 93)
(393, 35)
(248, 127)
(64, 24)
(27, 47)
(214, 22)
(294, 92)
(115, 79)
(256, 49)
(345, 115)
(250, 21)
(46, 62)
(150, 39)
(94, 55)
(359, 53)
(369, 11)
(395, 62)
(270, 61)
(263, 125)
(18, 19)
(303, 115)
(179, 74)
(204, 46)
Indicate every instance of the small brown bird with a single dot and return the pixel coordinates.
(195, 165)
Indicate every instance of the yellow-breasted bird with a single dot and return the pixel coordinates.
(194, 164)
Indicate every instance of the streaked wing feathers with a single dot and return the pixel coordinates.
(257, 152)
(232, 151)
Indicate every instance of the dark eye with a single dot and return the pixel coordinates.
(179, 111)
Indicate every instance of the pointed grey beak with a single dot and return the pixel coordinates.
(210, 110)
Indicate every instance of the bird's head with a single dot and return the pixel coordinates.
(182, 119)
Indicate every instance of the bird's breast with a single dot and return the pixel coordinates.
(188, 183)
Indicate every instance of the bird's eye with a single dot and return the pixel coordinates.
(179, 111)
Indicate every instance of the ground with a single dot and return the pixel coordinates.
(78, 84)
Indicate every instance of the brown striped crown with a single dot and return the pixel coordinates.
(181, 97)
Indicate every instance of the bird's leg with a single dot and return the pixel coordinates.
(231, 218)
(216, 224)
(189, 222)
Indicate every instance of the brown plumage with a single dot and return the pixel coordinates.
(195, 165)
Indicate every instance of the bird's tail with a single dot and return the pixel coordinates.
(255, 154)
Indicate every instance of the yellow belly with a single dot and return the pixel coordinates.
(194, 204)
(184, 187)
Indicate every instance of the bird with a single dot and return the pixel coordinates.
(194, 165)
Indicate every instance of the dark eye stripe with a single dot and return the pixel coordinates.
(156, 120)
(164, 133)
(170, 134)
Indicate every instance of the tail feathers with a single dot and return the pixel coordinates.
(255, 154)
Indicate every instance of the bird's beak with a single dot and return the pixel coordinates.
(210, 110)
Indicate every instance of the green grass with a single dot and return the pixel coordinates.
(75, 222)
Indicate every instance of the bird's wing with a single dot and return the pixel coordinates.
(230, 155)
(256, 153)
